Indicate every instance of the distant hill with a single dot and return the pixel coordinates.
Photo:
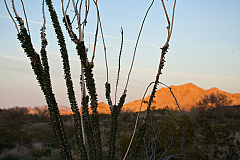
(64, 110)
(187, 96)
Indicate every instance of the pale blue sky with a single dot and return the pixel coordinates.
(204, 49)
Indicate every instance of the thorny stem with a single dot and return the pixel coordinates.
(83, 95)
(161, 64)
(142, 129)
(44, 23)
(42, 75)
(68, 79)
(119, 64)
(90, 83)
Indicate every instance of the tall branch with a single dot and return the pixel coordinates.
(135, 49)
(67, 6)
(70, 31)
(25, 18)
(95, 41)
(11, 16)
(103, 41)
(14, 9)
(44, 23)
(68, 79)
(78, 20)
(142, 128)
(136, 122)
(119, 64)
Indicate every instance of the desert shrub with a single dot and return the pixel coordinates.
(41, 151)
(55, 154)
(41, 132)
(126, 115)
(29, 158)
(209, 102)
(17, 151)
(41, 112)
(12, 121)
(10, 157)
(170, 137)
(218, 127)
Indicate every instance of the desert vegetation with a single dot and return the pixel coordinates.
(87, 126)
(160, 134)
(198, 134)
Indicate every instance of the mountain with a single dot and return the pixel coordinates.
(64, 110)
(187, 95)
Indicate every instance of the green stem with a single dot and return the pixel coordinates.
(90, 83)
(43, 77)
(69, 84)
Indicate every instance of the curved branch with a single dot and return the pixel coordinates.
(170, 89)
(104, 46)
(67, 6)
(135, 127)
(137, 46)
(81, 34)
(78, 19)
(84, 23)
(26, 18)
(170, 25)
(67, 25)
(140, 111)
(14, 9)
(173, 17)
(95, 40)
(11, 16)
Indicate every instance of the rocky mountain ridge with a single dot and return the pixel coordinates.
(187, 95)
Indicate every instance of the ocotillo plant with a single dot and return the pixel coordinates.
(141, 131)
(84, 123)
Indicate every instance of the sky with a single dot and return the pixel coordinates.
(204, 49)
